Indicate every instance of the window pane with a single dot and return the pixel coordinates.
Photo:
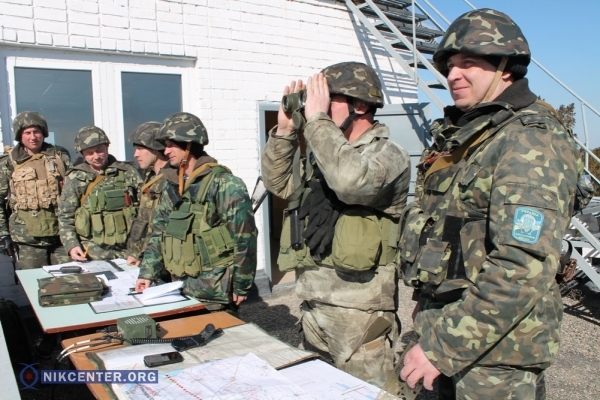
(148, 97)
(63, 97)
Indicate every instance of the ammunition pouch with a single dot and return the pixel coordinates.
(70, 289)
(40, 223)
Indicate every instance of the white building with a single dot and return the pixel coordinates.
(118, 63)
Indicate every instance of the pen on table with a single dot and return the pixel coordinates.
(132, 293)
(86, 251)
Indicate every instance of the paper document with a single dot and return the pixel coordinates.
(241, 377)
(324, 381)
(120, 297)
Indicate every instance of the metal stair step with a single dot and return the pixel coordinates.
(435, 85)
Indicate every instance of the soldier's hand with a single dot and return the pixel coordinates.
(132, 261)
(317, 96)
(417, 366)
(142, 284)
(285, 125)
(77, 254)
(238, 299)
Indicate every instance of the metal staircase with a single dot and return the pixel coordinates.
(408, 31)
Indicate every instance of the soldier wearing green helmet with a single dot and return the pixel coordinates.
(203, 227)
(481, 244)
(150, 156)
(99, 200)
(344, 202)
(31, 178)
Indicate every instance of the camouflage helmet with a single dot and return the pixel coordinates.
(145, 136)
(90, 136)
(183, 127)
(356, 80)
(25, 120)
(483, 33)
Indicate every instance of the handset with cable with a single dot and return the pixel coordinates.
(198, 340)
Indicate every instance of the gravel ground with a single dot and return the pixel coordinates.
(574, 376)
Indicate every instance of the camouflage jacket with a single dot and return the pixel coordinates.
(230, 204)
(8, 216)
(78, 179)
(498, 234)
(150, 194)
(368, 172)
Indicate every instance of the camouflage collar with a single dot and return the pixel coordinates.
(20, 155)
(376, 131)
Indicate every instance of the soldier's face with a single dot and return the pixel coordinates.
(175, 153)
(469, 79)
(144, 156)
(32, 139)
(96, 157)
(338, 109)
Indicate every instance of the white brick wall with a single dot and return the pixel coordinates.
(246, 50)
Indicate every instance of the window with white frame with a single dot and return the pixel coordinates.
(116, 96)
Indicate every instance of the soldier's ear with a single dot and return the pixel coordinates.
(360, 107)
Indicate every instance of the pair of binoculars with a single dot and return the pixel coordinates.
(294, 103)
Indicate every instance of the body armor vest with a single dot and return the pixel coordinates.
(105, 213)
(141, 224)
(35, 189)
(431, 254)
(363, 238)
(190, 245)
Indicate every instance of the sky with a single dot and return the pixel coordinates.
(561, 37)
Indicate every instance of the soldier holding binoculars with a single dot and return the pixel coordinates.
(345, 197)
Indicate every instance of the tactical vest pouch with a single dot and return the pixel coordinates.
(215, 247)
(432, 263)
(70, 289)
(41, 223)
(109, 229)
(416, 228)
(357, 240)
(97, 229)
(115, 199)
(120, 227)
(179, 224)
(286, 260)
(138, 230)
(82, 222)
(24, 181)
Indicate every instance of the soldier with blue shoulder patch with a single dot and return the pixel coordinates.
(481, 246)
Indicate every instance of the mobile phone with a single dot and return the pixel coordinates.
(156, 360)
(70, 269)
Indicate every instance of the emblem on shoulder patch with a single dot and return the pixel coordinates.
(527, 225)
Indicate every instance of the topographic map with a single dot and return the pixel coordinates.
(241, 377)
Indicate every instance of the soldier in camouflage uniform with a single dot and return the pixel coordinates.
(482, 245)
(204, 231)
(150, 156)
(31, 179)
(353, 188)
(99, 200)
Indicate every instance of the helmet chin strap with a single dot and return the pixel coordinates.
(183, 166)
(352, 115)
(496, 80)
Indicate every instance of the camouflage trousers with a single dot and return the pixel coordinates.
(345, 337)
(489, 382)
(36, 257)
